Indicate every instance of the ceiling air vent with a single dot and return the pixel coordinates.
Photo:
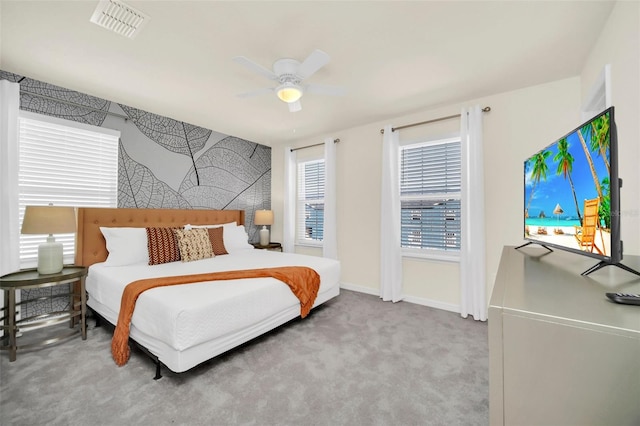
(119, 18)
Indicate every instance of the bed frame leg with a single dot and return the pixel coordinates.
(101, 321)
(96, 316)
(154, 358)
(158, 374)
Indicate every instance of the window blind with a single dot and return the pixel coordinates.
(310, 205)
(430, 187)
(64, 163)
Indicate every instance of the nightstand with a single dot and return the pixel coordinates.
(29, 279)
(272, 246)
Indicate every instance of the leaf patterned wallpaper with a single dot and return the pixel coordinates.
(163, 163)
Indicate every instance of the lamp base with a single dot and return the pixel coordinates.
(50, 257)
(264, 236)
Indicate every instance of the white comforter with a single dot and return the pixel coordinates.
(184, 316)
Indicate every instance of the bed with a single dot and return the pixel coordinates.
(181, 326)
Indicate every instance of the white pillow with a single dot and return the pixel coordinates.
(236, 239)
(187, 227)
(126, 246)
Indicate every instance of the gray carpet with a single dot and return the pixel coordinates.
(354, 361)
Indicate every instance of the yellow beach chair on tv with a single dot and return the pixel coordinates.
(586, 234)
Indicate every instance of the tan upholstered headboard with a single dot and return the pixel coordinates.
(91, 246)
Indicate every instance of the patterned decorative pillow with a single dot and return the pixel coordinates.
(194, 244)
(162, 246)
(217, 242)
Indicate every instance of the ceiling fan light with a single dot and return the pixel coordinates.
(289, 92)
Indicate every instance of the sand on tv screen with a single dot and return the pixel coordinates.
(562, 184)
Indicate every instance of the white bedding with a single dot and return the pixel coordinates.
(187, 324)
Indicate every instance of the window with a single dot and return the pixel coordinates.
(430, 185)
(66, 164)
(310, 205)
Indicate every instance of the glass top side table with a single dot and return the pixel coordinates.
(273, 246)
(30, 279)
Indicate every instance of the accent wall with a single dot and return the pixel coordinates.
(164, 163)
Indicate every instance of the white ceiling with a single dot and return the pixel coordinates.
(392, 57)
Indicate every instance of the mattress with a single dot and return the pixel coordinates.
(184, 325)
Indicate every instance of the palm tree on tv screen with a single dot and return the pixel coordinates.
(586, 131)
(600, 137)
(565, 167)
(538, 171)
(600, 143)
(604, 211)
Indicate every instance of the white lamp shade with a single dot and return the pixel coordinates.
(263, 217)
(49, 220)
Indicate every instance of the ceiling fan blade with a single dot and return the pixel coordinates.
(316, 60)
(321, 89)
(256, 92)
(255, 67)
(295, 106)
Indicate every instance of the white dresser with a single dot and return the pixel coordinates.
(560, 353)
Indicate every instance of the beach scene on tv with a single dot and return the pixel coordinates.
(567, 190)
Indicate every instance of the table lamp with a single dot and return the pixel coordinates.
(264, 218)
(49, 220)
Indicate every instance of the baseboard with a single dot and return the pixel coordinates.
(409, 299)
(360, 289)
(432, 303)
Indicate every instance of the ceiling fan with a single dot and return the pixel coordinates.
(290, 74)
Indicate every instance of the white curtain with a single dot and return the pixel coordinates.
(9, 221)
(330, 237)
(390, 250)
(472, 257)
(289, 214)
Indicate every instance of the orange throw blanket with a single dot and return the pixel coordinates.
(304, 283)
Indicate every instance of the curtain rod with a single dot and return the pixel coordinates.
(393, 129)
(124, 117)
(315, 144)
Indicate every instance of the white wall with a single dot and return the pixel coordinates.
(524, 122)
(619, 46)
(520, 123)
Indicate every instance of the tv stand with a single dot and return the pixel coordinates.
(560, 352)
(533, 242)
(603, 263)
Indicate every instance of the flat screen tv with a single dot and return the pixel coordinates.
(572, 193)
